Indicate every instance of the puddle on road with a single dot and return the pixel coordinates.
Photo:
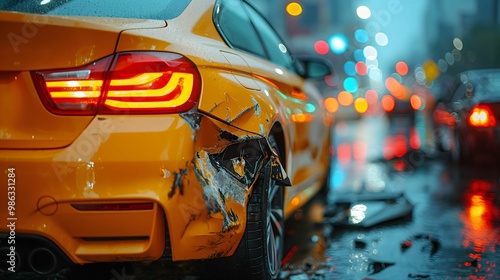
(453, 233)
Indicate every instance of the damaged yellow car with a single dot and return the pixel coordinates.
(134, 132)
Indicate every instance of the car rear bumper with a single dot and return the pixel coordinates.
(155, 179)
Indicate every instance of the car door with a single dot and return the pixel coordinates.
(304, 109)
(263, 65)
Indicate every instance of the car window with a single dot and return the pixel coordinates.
(278, 52)
(236, 28)
(154, 9)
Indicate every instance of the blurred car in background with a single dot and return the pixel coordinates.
(397, 108)
(136, 132)
(466, 116)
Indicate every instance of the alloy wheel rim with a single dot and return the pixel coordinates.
(275, 232)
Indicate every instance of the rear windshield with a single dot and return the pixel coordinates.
(140, 9)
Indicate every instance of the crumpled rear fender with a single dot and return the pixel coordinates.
(214, 188)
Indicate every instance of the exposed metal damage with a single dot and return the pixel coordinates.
(232, 109)
(178, 183)
(226, 162)
(228, 174)
(218, 186)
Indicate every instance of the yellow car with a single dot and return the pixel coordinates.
(135, 132)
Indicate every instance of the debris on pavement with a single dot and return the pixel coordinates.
(368, 209)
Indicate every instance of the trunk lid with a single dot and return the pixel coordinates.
(39, 42)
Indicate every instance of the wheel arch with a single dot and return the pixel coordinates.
(279, 136)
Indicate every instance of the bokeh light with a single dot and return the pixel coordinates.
(450, 59)
(388, 103)
(431, 69)
(350, 84)
(331, 104)
(363, 12)
(416, 102)
(371, 63)
(381, 39)
(420, 75)
(310, 108)
(350, 68)
(370, 52)
(294, 9)
(361, 36)
(358, 55)
(395, 88)
(360, 105)
(371, 96)
(361, 68)
(415, 142)
(321, 47)
(397, 77)
(375, 74)
(330, 80)
(456, 54)
(402, 68)
(458, 44)
(345, 98)
(442, 65)
(338, 43)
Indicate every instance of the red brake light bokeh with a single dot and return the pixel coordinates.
(481, 116)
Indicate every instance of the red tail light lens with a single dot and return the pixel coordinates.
(151, 82)
(127, 83)
(481, 116)
(72, 91)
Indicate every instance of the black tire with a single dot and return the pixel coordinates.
(261, 249)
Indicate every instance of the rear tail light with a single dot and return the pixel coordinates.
(126, 83)
(72, 91)
(481, 116)
(151, 83)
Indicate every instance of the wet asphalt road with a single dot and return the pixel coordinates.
(452, 231)
(396, 210)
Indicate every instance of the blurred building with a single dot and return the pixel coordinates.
(473, 24)
(318, 19)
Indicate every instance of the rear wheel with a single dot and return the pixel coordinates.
(260, 252)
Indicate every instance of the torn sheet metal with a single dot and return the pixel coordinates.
(219, 186)
(209, 197)
(278, 173)
(228, 174)
(244, 160)
(234, 109)
(178, 183)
